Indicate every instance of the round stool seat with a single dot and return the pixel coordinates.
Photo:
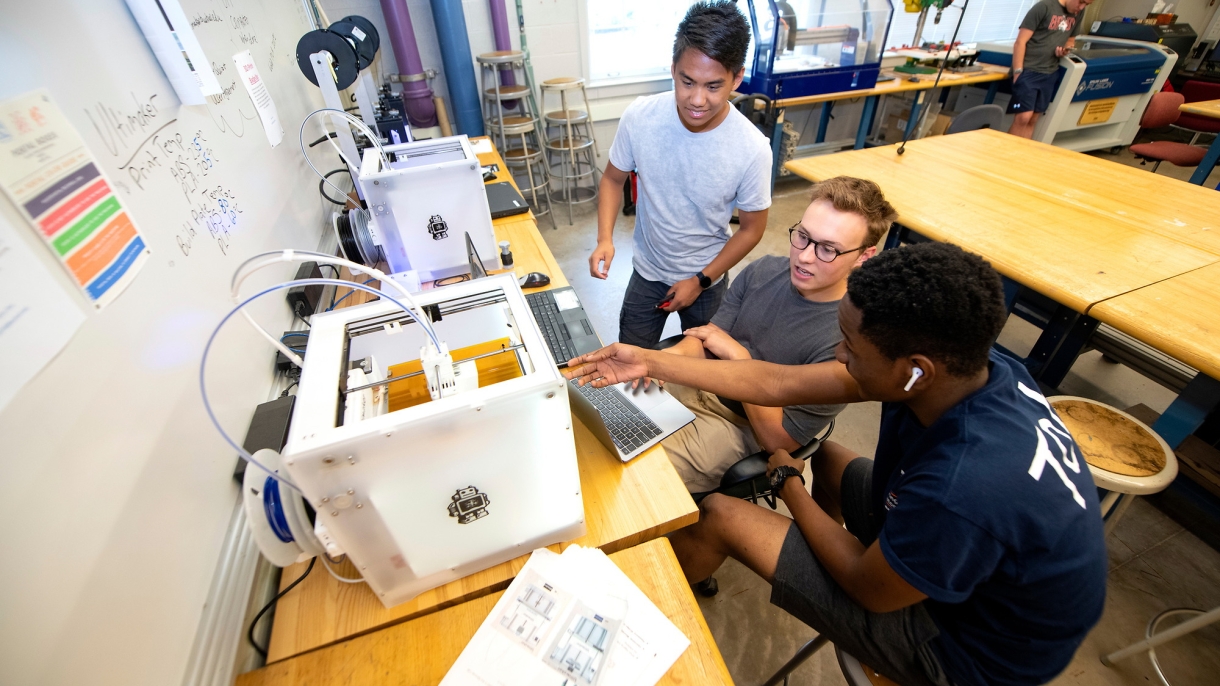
(515, 154)
(563, 143)
(563, 83)
(501, 57)
(516, 120)
(508, 92)
(1124, 455)
(563, 116)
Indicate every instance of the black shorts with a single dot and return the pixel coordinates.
(1033, 92)
(901, 644)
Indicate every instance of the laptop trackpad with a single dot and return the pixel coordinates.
(645, 399)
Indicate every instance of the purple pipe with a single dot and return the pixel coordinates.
(499, 24)
(416, 95)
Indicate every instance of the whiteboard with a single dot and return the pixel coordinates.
(117, 490)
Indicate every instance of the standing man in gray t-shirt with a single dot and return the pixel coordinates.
(783, 310)
(696, 158)
(1046, 34)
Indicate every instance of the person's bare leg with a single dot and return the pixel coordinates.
(729, 527)
(828, 464)
(1023, 124)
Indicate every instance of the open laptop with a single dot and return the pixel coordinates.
(628, 421)
(564, 323)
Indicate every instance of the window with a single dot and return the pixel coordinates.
(632, 39)
(985, 20)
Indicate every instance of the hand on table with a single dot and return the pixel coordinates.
(683, 294)
(599, 261)
(718, 342)
(613, 364)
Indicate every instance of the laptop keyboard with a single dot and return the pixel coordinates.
(628, 426)
(550, 321)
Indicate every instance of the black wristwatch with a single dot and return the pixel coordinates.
(781, 474)
(704, 282)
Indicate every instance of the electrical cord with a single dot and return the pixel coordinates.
(240, 307)
(271, 603)
(353, 121)
(322, 185)
(335, 303)
(943, 63)
(336, 575)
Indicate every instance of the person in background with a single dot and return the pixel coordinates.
(781, 310)
(1046, 34)
(696, 158)
(973, 550)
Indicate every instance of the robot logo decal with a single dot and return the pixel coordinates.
(468, 505)
(437, 227)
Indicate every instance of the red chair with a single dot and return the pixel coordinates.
(1198, 91)
(1163, 111)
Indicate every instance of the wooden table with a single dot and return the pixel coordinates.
(1205, 108)
(1077, 229)
(625, 504)
(902, 83)
(1181, 318)
(421, 651)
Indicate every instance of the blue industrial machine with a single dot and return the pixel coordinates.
(810, 47)
(1104, 86)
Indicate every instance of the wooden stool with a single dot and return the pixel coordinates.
(528, 155)
(854, 672)
(859, 674)
(1125, 456)
(571, 143)
(500, 98)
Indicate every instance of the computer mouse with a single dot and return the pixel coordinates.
(534, 280)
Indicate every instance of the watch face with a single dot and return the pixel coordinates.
(704, 281)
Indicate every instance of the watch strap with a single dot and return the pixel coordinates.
(705, 281)
(781, 475)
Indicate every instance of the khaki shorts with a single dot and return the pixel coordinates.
(703, 450)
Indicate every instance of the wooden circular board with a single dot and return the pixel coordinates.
(1110, 440)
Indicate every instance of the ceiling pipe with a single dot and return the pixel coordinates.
(416, 95)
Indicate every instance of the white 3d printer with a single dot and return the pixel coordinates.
(422, 198)
(422, 476)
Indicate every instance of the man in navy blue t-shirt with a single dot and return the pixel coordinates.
(973, 552)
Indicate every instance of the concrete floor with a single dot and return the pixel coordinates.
(1154, 563)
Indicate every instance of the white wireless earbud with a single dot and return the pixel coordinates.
(915, 374)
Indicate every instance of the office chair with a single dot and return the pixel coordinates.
(1198, 91)
(977, 117)
(1163, 111)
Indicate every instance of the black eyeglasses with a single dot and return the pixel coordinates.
(823, 251)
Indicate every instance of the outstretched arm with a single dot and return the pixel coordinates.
(749, 381)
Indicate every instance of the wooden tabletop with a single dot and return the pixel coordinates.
(903, 83)
(1075, 228)
(625, 504)
(1178, 316)
(1204, 108)
(421, 651)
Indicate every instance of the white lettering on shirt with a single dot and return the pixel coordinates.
(1043, 455)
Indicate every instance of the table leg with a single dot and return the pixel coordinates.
(1209, 162)
(824, 121)
(991, 91)
(866, 120)
(1188, 410)
(896, 236)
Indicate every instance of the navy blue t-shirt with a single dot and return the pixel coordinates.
(991, 512)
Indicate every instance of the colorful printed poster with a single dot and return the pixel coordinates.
(52, 177)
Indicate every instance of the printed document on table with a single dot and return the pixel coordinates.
(37, 316)
(570, 620)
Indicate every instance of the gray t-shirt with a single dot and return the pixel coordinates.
(688, 184)
(1052, 26)
(765, 313)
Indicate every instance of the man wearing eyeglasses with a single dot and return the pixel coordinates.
(782, 310)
